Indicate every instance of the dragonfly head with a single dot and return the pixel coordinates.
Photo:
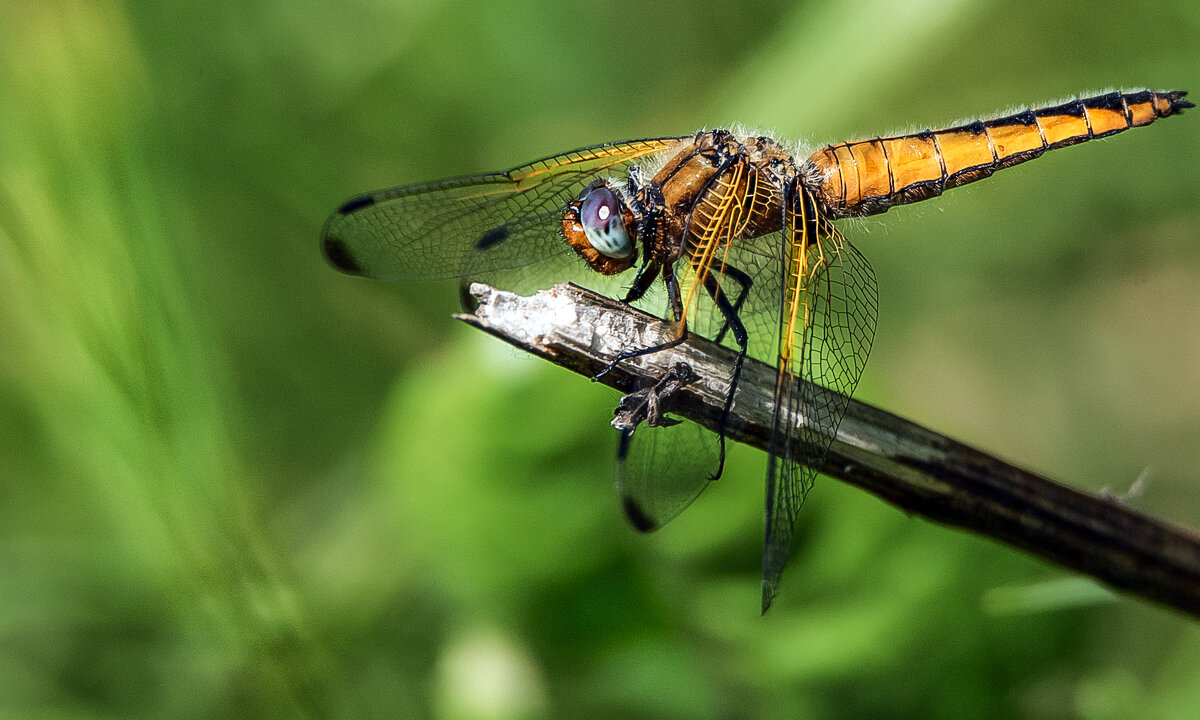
(600, 227)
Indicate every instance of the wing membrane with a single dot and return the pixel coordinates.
(827, 324)
(471, 226)
(662, 470)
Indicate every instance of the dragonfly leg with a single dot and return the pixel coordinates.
(627, 354)
(734, 324)
(744, 282)
(646, 275)
(676, 301)
(673, 294)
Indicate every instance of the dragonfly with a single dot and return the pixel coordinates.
(728, 236)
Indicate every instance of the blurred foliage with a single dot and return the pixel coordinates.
(238, 484)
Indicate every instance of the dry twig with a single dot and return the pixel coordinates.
(907, 465)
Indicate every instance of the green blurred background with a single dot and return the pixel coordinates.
(238, 484)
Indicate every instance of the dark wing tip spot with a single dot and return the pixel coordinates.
(491, 238)
(637, 517)
(357, 203)
(340, 257)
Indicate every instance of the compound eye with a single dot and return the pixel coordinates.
(603, 223)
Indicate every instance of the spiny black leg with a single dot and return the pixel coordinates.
(734, 324)
(744, 282)
(673, 295)
(676, 301)
(646, 276)
(626, 354)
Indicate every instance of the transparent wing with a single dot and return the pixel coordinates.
(829, 306)
(661, 470)
(471, 226)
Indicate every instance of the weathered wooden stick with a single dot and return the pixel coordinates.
(910, 466)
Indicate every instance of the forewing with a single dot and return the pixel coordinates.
(472, 226)
(827, 326)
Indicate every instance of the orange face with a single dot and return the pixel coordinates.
(600, 227)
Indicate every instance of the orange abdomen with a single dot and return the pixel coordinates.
(869, 176)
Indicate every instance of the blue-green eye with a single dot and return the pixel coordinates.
(603, 223)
